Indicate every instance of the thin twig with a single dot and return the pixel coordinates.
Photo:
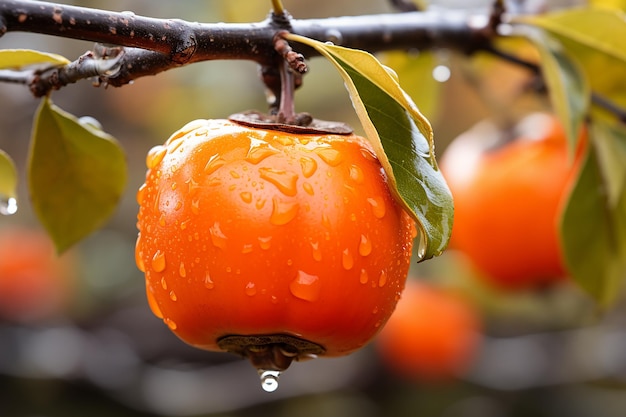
(277, 7)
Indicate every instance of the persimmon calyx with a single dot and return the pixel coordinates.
(304, 123)
(271, 352)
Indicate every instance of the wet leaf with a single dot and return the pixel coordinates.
(593, 230)
(19, 58)
(567, 85)
(77, 174)
(402, 138)
(8, 182)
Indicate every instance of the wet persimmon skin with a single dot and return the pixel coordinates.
(245, 231)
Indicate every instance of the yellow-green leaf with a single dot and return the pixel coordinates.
(568, 88)
(593, 231)
(19, 58)
(402, 139)
(601, 29)
(595, 37)
(610, 4)
(8, 184)
(77, 174)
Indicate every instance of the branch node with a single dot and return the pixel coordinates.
(295, 60)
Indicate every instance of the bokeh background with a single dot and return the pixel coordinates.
(79, 340)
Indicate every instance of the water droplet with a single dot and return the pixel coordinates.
(201, 132)
(257, 154)
(139, 255)
(326, 220)
(285, 181)
(173, 296)
(235, 174)
(179, 205)
(217, 236)
(152, 303)
(158, 261)
(141, 194)
(284, 140)
(378, 206)
(346, 259)
(356, 174)
(309, 166)
(422, 244)
(329, 155)
(246, 196)
(195, 206)
(194, 187)
(363, 277)
(265, 242)
(365, 246)
(164, 283)
(367, 154)
(170, 323)
(247, 248)
(155, 156)
(308, 188)
(269, 380)
(260, 203)
(305, 286)
(181, 270)
(382, 279)
(213, 164)
(8, 206)
(208, 282)
(283, 211)
(250, 289)
(162, 220)
(317, 253)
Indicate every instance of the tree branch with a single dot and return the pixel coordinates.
(157, 45)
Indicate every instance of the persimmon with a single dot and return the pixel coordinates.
(433, 335)
(35, 284)
(270, 244)
(508, 196)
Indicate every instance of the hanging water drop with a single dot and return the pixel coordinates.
(8, 206)
(269, 380)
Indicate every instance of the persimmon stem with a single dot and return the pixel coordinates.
(286, 110)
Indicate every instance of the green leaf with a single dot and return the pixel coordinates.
(19, 58)
(601, 29)
(8, 184)
(593, 231)
(610, 145)
(595, 37)
(77, 174)
(568, 88)
(402, 139)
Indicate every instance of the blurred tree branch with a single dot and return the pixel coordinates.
(151, 45)
(156, 45)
